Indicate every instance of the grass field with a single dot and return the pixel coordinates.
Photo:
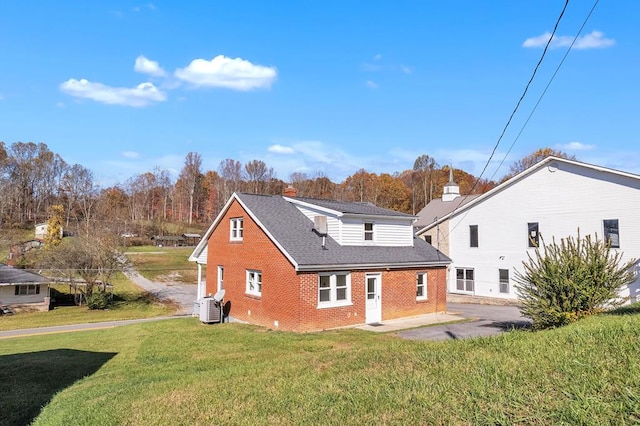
(130, 301)
(164, 263)
(180, 372)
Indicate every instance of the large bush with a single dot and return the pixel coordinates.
(564, 282)
(98, 299)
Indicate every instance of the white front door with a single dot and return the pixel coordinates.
(374, 301)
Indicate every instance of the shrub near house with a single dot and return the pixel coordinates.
(281, 267)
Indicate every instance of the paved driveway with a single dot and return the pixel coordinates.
(483, 320)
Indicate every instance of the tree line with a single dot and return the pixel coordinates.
(33, 179)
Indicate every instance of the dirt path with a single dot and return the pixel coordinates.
(182, 294)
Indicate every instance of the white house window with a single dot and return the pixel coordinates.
(421, 286)
(236, 229)
(220, 278)
(612, 232)
(473, 235)
(254, 283)
(533, 234)
(504, 280)
(368, 231)
(464, 279)
(334, 289)
(27, 290)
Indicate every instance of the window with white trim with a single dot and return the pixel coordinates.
(503, 277)
(236, 229)
(254, 283)
(368, 231)
(421, 286)
(27, 290)
(334, 289)
(220, 278)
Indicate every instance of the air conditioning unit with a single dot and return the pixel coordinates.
(211, 308)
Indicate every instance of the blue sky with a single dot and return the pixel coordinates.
(317, 86)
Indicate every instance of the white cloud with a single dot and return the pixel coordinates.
(377, 57)
(149, 6)
(371, 84)
(147, 66)
(405, 69)
(229, 73)
(576, 146)
(130, 154)
(281, 149)
(142, 95)
(595, 39)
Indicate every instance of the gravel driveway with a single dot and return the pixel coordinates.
(484, 320)
(182, 294)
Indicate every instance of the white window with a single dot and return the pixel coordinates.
(368, 231)
(236, 229)
(220, 278)
(421, 286)
(254, 283)
(334, 289)
(504, 280)
(27, 290)
(464, 279)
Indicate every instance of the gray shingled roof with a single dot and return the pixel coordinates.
(294, 232)
(438, 208)
(10, 275)
(346, 207)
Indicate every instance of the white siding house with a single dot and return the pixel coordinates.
(490, 236)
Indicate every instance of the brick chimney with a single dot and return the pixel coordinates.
(290, 191)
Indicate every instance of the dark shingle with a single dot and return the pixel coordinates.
(294, 232)
(10, 275)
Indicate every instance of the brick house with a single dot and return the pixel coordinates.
(305, 264)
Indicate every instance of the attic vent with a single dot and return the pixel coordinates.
(320, 225)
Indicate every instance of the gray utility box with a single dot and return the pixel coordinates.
(211, 308)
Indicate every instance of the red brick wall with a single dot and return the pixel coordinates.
(290, 298)
(280, 284)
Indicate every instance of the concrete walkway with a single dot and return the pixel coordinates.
(461, 321)
(412, 322)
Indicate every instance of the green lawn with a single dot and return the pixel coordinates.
(164, 263)
(130, 301)
(181, 372)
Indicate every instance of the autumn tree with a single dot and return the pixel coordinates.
(54, 226)
(534, 158)
(360, 186)
(391, 193)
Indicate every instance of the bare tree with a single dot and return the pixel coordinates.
(258, 176)
(231, 174)
(192, 178)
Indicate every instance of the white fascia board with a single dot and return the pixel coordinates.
(266, 231)
(332, 212)
(205, 238)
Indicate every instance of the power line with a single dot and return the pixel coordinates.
(513, 113)
(535, 107)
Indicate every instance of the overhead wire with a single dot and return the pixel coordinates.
(513, 113)
(553, 76)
